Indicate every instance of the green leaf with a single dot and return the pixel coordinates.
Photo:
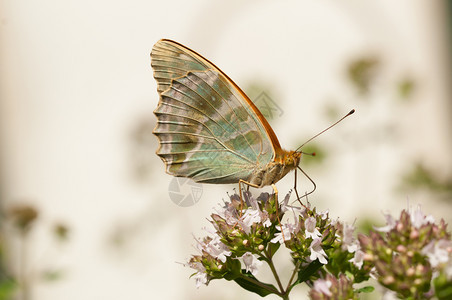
(366, 289)
(306, 273)
(234, 269)
(7, 288)
(443, 287)
(263, 289)
(445, 293)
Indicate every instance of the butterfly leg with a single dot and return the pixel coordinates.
(276, 201)
(241, 181)
(295, 188)
(312, 181)
(277, 210)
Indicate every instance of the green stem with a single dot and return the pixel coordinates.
(272, 267)
(295, 271)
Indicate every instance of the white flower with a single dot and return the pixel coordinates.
(324, 214)
(348, 240)
(267, 222)
(448, 270)
(358, 259)
(418, 218)
(229, 214)
(390, 224)
(215, 248)
(323, 286)
(317, 252)
(311, 231)
(201, 275)
(284, 235)
(352, 248)
(253, 202)
(250, 217)
(285, 203)
(251, 263)
(438, 252)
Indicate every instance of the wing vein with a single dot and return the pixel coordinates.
(231, 109)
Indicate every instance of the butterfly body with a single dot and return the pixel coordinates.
(208, 129)
(275, 169)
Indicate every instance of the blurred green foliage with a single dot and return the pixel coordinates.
(24, 218)
(60, 231)
(8, 284)
(406, 87)
(362, 72)
(366, 224)
(7, 288)
(52, 275)
(420, 177)
(319, 151)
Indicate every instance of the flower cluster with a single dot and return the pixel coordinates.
(310, 234)
(346, 255)
(333, 288)
(243, 235)
(410, 256)
(249, 232)
(408, 253)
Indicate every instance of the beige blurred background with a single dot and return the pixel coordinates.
(77, 96)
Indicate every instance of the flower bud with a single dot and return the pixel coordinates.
(388, 280)
(414, 234)
(401, 248)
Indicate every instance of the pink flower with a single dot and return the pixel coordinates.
(358, 259)
(390, 224)
(215, 248)
(438, 252)
(323, 286)
(317, 252)
(418, 218)
(284, 234)
(311, 231)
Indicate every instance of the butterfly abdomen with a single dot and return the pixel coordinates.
(276, 169)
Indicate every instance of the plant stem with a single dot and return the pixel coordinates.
(272, 267)
(295, 271)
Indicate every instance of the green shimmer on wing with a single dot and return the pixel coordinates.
(206, 129)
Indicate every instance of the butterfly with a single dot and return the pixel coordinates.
(208, 129)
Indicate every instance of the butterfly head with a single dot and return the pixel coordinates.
(292, 159)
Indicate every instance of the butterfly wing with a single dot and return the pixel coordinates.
(208, 129)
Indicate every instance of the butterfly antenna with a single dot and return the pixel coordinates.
(349, 113)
